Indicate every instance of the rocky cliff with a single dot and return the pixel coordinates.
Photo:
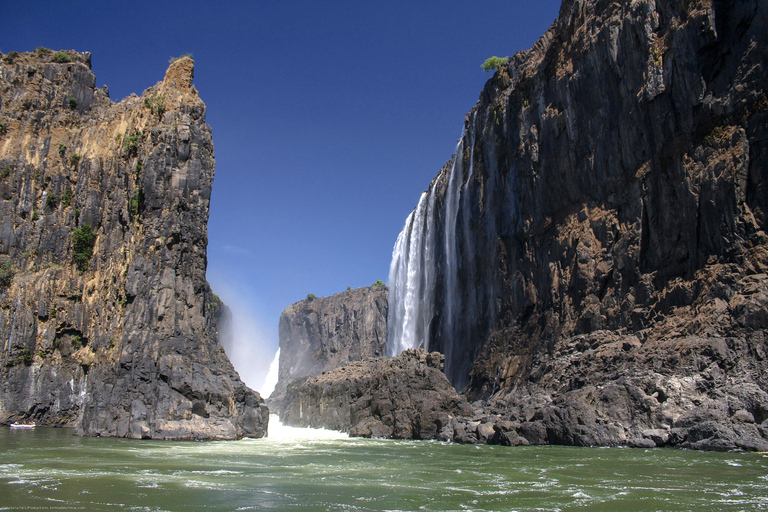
(598, 262)
(108, 322)
(407, 397)
(320, 334)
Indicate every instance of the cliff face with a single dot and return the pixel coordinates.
(407, 397)
(598, 239)
(320, 334)
(108, 322)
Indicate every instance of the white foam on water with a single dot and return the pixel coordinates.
(287, 434)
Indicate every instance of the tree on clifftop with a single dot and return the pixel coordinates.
(493, 63)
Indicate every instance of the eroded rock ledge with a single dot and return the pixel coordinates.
(407, 397)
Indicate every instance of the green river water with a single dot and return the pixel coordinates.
(302, 470)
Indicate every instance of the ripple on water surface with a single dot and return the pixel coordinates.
(308, 470)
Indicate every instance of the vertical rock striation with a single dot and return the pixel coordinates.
(108, 322)
(320, 334)
(595, 252)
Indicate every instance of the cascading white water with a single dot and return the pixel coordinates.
(270, 380)
(408, 317)
(422, 248)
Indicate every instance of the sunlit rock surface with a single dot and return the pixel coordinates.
(123, 343)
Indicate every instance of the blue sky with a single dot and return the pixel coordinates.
(329, 119)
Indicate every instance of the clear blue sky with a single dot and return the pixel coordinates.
(329, 119)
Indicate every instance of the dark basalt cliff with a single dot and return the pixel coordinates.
(122, 342)
(593, 261)
(324, 333)
(601, 268)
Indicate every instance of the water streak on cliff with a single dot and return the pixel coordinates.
(430, 279)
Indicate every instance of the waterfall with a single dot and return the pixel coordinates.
(270, 381)
(410, 302)
(431, 242)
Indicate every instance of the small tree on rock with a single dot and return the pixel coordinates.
(493, 63)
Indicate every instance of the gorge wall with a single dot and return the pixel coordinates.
(319, 334)
(107, 320)
(593, 259)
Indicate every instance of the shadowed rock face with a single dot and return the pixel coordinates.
(599, 247)
(124, 342)
(320, 334)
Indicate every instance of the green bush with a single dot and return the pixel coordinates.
(35, 216)
(493, 63)
(51, 201)
(61, 57)
(26, 357)
(62, 149)
(156, 105)
(3, 126)
(74, 159)
(135, 203)
(83, 240)
(6, 274)
(311, 296)
(132, 143)
(379, 282)
(66, 197)
(5, 172)
(72, 102)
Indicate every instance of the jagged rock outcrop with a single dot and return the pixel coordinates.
(108, 322)
(319, 334)
(407, 397)
(598, 257)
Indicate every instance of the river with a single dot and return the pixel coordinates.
(309, 470)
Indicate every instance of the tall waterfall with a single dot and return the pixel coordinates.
(427, 299)
(411, 280)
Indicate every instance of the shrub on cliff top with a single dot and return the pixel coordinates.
(493, 63)
(83, 240)
(174, 59)
(378, 282)
(61, 57)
